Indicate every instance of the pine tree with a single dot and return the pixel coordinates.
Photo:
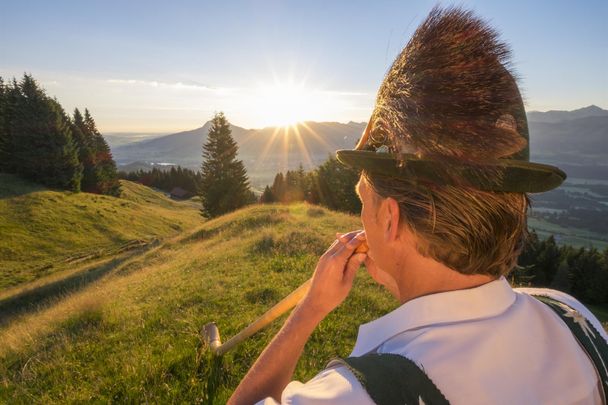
(11, 95)
(106, 175)
(41, 138)
(3, 129)
(590, 277)
(561, 280)
(279, 188)
(334, 186)
(224, 183)
(86, 152)
(267, 196)
(548, 261)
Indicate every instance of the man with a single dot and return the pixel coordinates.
(444, 176)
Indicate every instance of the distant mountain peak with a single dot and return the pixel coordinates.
(592, 108)
(554, 116)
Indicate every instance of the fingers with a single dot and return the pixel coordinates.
(342, 238)
(345, 237)
(334, 245)
(352, 266)
(345, 250)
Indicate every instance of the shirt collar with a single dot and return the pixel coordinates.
(485, 301)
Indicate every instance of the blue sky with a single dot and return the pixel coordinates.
(159, 66)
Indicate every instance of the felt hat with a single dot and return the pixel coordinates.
(449, 112)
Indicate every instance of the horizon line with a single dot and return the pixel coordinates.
(178, 130)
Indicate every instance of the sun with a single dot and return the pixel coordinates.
(285, 104)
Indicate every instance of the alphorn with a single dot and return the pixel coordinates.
(211, 333)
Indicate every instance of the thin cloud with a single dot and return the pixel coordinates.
(188, 84)
(345, 93)
(191, 84)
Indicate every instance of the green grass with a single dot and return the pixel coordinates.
(601, 312)
(132, 336)
(568, 236)
(45, 232)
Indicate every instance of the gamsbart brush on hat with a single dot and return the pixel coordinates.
(449, 112)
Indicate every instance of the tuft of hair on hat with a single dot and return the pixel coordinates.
(451, 94)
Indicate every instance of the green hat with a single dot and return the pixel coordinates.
(449, 112)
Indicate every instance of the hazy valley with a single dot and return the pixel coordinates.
(576, 141)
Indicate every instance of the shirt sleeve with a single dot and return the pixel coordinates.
(334, 385)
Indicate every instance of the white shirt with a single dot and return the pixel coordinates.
(486, 345)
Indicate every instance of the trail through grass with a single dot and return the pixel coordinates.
(46, 232)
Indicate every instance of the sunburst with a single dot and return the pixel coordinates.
(285, 104)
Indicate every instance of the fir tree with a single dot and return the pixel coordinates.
(167, 180)
(2, 106)
(279, 187)
(11, 95)
(3, 130)
(561, 280)
(224, 183)
(41, 139)
(547, 261)
(267, 196)
(86, 152)
(106, 175)
(334, 186)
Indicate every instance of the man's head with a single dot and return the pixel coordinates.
(449, 96)
(467, 230)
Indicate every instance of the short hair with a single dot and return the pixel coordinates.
(468, 230)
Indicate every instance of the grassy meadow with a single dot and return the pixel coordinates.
(576, 237)
(131, 333)
(48, 232)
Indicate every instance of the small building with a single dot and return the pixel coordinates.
(178, 193)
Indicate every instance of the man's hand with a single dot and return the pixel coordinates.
(331, 283)
(334, 275)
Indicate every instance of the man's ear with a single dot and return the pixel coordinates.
(392, 228)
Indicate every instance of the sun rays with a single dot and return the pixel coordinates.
(284, 104)
(286, 112)
(292, 141)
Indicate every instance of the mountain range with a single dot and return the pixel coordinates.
(263, 151)
(577, 140)
(555, 116)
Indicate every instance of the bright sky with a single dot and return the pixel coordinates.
(163, 66)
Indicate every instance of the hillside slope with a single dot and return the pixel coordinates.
(45, 231)
(133, 335)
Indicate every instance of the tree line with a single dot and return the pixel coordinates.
(41, 143)
(331, 184)
(167, 180)
(581, 272)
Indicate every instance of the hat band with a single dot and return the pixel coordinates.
(500, 175)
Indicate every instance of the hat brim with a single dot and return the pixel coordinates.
(516, 176)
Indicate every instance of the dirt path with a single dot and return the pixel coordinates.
(30, 297)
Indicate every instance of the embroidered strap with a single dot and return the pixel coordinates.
(391, 379)
(586, 334)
